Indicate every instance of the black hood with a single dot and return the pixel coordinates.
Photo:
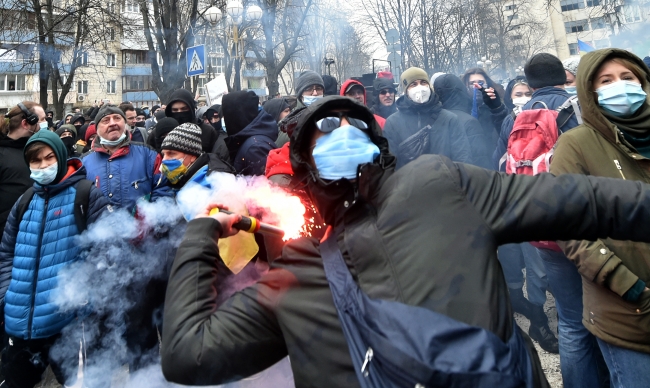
(275, 107)
(184, 96)
(452, 93)
(6, 141)
(507, 99)
(324, 194)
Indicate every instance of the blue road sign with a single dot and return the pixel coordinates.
(195, 60)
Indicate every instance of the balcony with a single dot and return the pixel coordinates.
(136, 69)
(260, 92)
(253, 73)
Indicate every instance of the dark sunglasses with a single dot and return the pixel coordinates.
(386, 91)
(328, 124)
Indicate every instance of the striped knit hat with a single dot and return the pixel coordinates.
(185, 138)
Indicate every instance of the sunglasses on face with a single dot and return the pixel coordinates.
(328, 124)
(386, 91)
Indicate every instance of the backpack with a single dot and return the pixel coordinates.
(532, 140)
(393, 344)
(81, 199)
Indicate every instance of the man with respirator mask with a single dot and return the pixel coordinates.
(416, 251)
(125, 172)
(421, 126)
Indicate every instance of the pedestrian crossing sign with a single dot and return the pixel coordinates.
(195, 60)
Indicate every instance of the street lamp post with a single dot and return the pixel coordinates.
(485, 63)
(328, 63)
(520, 70)
(235, 17)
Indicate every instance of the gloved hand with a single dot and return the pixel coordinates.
(491, 98)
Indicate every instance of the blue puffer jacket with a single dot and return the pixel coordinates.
(553, 98)
(35, 249)
(126, 175)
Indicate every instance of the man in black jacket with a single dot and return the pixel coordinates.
(425, 236)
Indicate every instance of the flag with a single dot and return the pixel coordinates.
(584, 47)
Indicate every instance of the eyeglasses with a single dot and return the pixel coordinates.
(316, 88)
(328, 124)
(386, 91)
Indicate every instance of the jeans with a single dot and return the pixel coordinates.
(581, 360)
(513, 257)
(627, 368)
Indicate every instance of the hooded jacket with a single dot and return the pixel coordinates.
(433, 217)
(380, 120)
(14, 174)
(250, 147)
(35, 248)
(211, 140)
(418, 129)
(454, 98)
(609, 267)
(377, 107)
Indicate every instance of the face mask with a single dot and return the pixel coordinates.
(173, 170)
(44, 176)
(571, 90)
(419, 94)
(139, 124)
(622, 98)
(184, 117)
(112, 143)
(339, 153)
(69, 143)
(520, 101)
(308, 100)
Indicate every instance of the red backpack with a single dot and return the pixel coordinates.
(532, 142)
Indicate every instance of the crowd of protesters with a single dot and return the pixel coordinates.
(420, 234)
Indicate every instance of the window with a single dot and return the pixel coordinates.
(131, 6)
(110, 7)
(217, 64)
(110, 87)
(573, 49)
(516, 37)
(601, 43)
(110, 60)
(135, 57)
(510, 7)
(136, 82)
(82, 59)
(111, 34)
(570, 5)
(597, 23)
(632, 14)
(513, 17)
(254, 83)
(12, 82)
(82, 87)
(576, 26)
(60, 82)
(593, 3)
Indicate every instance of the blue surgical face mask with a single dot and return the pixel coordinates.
(44, 176)
(112, 143)
(339, 153)
(571, 90)
(308, 100)
(42, 126)
(621, 98)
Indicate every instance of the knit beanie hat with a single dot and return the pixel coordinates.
(67, 128)
(412, 74)
(305, 80)
(92, 130)
(382, 83)
(571, 65)
(161, 129)
(51, 139)
(278, 162)
(109, 110)
(239, 110)
(185, 138)
(544, 70)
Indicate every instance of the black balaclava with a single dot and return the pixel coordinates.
(239, 110)
(216, 108)
(182, 117)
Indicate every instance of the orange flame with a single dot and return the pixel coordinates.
(279, 208)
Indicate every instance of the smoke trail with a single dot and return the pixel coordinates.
(122, 273)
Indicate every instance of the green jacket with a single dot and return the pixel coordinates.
(609, 267)
(426, 235)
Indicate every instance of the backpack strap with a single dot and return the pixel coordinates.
(24, 203)
(539, 102)
(566, 110)
(81, 200)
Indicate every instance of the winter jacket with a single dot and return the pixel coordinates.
(418, 129)
(128, 174)
(34, 250)
(609, 267)
(553, 98)
(250, 147)
(380, 120)
(454, 98)
(211, 140)
(14, 174)
(382, 110)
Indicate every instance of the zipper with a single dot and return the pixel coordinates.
(620, 169)
(36, 268)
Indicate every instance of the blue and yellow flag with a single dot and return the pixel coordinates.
(584, 47)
